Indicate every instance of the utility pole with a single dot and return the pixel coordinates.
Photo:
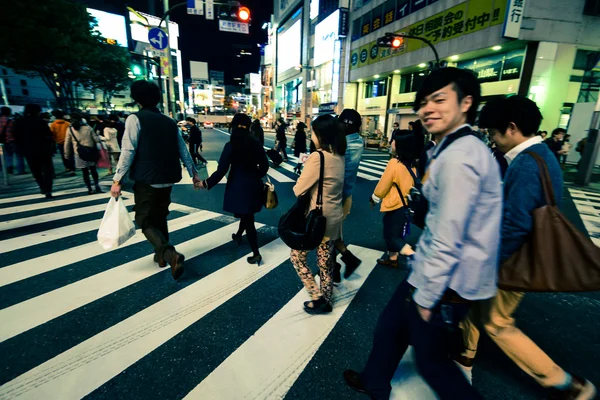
(171, 86)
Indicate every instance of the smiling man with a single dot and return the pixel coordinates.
(456, 258)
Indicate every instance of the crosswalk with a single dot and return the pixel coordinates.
(78, 321)
(588, 205)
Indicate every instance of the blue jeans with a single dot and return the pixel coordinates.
(354, 151)
(14, 159)
(393, 222)
(399, 325)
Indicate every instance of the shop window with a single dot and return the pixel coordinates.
(389, 12)
(376, 88)
(23, 82)
(365, 28)
(418, 78)
(377, 18)
(405, 83)
(356, 29)
(25, 92)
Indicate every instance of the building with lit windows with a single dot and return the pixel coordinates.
(545, 49)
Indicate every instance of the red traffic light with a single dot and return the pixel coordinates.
(244, 14)
(397, 42)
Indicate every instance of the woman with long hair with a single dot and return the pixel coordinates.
(81, 134)
(299, 144)
(397, 181)
(330, 140)
(257, 132)
(245, 159)
(109, 137)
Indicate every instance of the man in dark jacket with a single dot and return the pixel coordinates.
(195, 141)
(513, 123)
(555, 142)
(152, 148)
(281, 139)
(34, 141)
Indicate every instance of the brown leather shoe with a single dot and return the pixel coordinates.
(353, 380)
(176, 262)
(580, 389)
(388, 263)
(160, 261)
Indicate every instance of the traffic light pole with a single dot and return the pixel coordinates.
(427, 42)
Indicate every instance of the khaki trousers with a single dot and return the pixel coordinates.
(496, 316)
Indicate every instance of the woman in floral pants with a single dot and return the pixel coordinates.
(329, 138)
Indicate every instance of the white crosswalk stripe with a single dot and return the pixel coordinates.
(588, 205)
(283, 346)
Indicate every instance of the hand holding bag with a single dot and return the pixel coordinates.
(302, 231)
(556, 257)
(270, 196)
(116, 227)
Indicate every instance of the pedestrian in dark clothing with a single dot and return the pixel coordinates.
(245, 159)
(14, 158)
(257, 132)
(151, 150)
(299, 144)
(555, 143)
(34, 141)
(195, 141)
(281, 139)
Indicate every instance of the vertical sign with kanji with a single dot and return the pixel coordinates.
(513, 19)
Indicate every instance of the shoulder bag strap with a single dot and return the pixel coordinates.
(410, 171)
(321, 178)
(401, 196)
(452, 138)
(545, 178)
(74, 137)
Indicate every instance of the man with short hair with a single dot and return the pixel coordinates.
(195, 141)
(555, 142)
(456, 258)
(7, 137)
(512, 123)
(152, 148)
(354, 149)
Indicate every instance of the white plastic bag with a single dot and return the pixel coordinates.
(116, 227)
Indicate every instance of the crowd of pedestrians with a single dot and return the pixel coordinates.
(457, 203)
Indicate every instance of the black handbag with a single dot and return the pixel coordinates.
(86, 153)
(408, 212)
(302, 231)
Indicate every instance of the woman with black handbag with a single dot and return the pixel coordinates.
(392, 192)
(245, 159)
(330, 141)
(83, 141)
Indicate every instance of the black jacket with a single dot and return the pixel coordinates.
(281, 134)
(244, 190)
(195, 135)
(33, 137)
(299, 143)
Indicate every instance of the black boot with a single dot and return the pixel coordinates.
(175, 260)
(158, 241)
(352, 262)
(337, 275)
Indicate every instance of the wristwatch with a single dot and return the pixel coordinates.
(116, 182)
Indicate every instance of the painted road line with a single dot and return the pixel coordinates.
(283, 346)
(56, 203)
(102, 357)
(8, 200)
(34, 312)
(50, 262)
(40, 219)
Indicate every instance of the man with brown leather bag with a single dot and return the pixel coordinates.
(533, 187)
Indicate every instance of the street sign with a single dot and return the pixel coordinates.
(157, 38)
(195, 7)
(210, 9)
(235, 27)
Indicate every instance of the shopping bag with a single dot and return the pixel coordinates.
(103, 159)
(269, 195)
(116, 227)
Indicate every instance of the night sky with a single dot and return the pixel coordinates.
(201, 40)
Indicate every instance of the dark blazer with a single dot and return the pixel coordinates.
(244, 190)
(280, 136)
(299, 143)
(33, 137)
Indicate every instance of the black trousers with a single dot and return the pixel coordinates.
(152, 208)
(393, 222)
(43, 171)
(399, 325)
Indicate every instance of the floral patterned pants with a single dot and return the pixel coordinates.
(325, 261)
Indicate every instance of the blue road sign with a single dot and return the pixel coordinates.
(157, 38)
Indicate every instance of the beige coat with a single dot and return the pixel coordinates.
(86, 137)
(333, 183)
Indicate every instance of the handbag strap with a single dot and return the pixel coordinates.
(321, 178)
(545, 178)
(74, 137)
(401, 196)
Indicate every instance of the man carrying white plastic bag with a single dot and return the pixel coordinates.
(116, 227)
